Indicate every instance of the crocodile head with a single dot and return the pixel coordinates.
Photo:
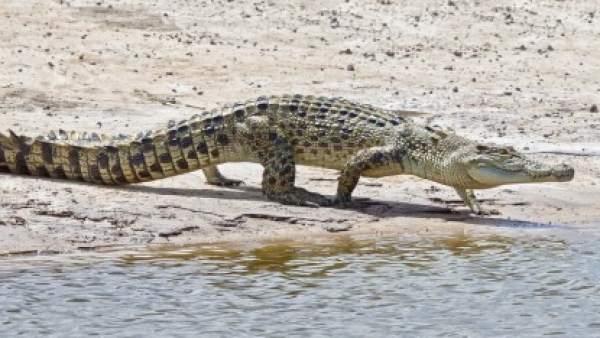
(491, 166)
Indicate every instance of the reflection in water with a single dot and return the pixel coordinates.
(459, 285)
(286, 257)
(281, 257)
(464, 245)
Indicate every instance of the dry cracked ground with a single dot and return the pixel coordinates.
(523, 73)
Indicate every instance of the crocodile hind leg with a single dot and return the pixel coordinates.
(214, 177)
(276, 155)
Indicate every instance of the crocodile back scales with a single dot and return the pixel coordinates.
(323, 131)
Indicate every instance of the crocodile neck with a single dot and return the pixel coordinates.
(432, 154)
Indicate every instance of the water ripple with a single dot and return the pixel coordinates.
(458, 285)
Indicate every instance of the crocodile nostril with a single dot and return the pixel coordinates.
(571, 172)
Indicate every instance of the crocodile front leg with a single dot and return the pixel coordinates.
(468, 196)
(214, 177)
(372, 162)
(276, 155)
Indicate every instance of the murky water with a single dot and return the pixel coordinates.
(452, 286)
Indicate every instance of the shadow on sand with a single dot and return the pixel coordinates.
(376, 208)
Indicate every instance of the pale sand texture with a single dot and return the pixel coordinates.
(525, 74)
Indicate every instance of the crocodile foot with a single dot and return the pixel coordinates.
(343, 203)
(225, 182)
(486, 212)
(299, 196)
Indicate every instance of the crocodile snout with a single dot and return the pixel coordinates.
(563, 172)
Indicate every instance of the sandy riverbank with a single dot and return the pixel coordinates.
(524, 75)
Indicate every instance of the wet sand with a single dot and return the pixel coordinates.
(524, 75)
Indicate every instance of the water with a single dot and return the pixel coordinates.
(450, 286)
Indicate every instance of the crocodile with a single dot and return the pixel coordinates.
(280, 132)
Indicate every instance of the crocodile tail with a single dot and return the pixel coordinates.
(12, 153)
(101, 160)
(54, 157)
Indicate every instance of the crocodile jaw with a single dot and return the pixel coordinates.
(494, 176)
